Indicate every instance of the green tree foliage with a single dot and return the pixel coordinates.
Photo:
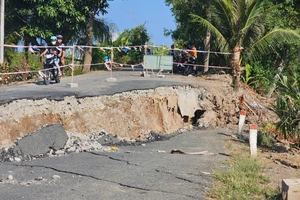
(252, 24)
(40, 19)
(245, 23)
(287, 106)
(75, 19)
(137, 36)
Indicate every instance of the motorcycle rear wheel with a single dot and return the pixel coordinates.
(56, 76)
(57, 79)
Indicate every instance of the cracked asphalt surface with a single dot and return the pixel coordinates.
(133, 172)
(147, 172)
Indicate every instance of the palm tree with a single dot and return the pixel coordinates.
(240, 25)
(96, 29)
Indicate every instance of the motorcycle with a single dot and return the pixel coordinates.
(182, 61)
(186, 66)
(190, 68)
(51, 71)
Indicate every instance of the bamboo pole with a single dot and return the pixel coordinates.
(111, 61)
(72, 68)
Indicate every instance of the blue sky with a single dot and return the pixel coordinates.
(127, 14)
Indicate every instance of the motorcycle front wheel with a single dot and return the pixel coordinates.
(47, 77)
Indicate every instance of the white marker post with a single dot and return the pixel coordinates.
(241, 122)
(111, 78)
(253, 140)
(72, 84)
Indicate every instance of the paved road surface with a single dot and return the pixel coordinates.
(148, 172)
(92, 84)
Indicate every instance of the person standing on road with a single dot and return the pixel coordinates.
(149, 52)
(193, 51)
(175, 54)
(184, 54)
(61, 55)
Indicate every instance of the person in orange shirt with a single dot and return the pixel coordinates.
(193, 51)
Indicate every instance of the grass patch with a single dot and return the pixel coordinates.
(265, 140)
(244, 180)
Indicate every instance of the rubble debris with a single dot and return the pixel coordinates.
(72, 143)
(55, 177)
(178, 151)
(108, 139)
(154, 136)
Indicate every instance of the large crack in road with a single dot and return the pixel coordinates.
(105, 180)
(150, 169)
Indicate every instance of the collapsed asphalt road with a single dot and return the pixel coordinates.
(148, 171)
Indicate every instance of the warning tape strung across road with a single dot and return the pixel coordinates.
(196, 65)
(31, 71)
(106, 64)
(199, 51)
(71, 66)
(37, 71)
(80, 47)
(118, 48)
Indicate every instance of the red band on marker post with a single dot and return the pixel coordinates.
(253, 127)
(243, 112)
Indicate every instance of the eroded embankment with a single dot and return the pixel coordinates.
(129, 114)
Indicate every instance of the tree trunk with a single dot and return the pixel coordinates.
(207, 40)
(206, 48)
(89, 42)
(279, 71)
(237, 69)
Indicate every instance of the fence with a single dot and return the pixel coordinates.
(152, 62)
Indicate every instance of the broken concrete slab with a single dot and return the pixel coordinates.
(188, 102)
(111, 79)
(290, 189)
(72, 85)
(41, 141)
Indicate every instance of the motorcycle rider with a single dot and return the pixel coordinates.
(184, 54)
(183, 57)
(54, 49)
(192, 58)
(175, 54)
(61, 56)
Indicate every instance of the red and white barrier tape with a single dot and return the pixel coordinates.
(217, 67)
(31, 71)
(80, 47)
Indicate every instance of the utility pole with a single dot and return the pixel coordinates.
(2, 32)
